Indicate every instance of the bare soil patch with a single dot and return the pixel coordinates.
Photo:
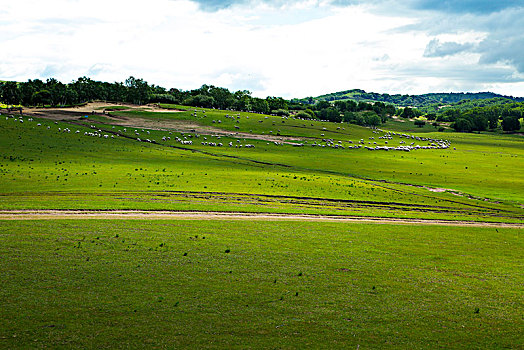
(186, 126)
(194, 215)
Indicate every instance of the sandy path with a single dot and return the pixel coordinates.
(181, 215)
(98, 107)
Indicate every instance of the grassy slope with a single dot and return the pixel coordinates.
(494, 158)
(120, 283)
(43, 168)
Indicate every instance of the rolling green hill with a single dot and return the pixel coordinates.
(255, 284)
(399, 100)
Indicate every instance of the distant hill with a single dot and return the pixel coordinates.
(424, 100)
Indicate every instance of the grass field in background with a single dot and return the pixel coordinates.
(44, 168)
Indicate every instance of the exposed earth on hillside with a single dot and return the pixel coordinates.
(202, 215)
(101, 109)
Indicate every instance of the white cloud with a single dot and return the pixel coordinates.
(293, 50)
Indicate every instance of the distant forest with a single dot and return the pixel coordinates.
(417, 101)
(464, 111)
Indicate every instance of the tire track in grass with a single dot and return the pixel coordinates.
(203, 215)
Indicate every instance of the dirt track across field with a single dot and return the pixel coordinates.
(184, 215)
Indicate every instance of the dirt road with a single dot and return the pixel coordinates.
(183, 215)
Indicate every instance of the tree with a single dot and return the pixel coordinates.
(42, 97)
(280, 112)
(420, 123)
(449, 115)
(137, 90)
(276, 103)
(223, 98)
(407, 113)
(333, 115)
(57, 91)
(200, 101)
(493, 117)
(241, 100)
(303, 115)
(462, 125)
(349, 117)
(390, 110)
(85, 89)
(9, 93)
(510, 124)
(311, 113)
(371, 118)
(322, 105)
(259, 105)
(364, 106)
(70, 96)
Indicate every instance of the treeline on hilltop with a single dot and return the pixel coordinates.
(418, 101)
(465, 115)
(136, 91)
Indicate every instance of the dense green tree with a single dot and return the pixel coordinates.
(349, 117)
(371, 118)
(162, 98)
(407, 113)
(275, 103)
(241, 100)
(331, 114)
(420, 123)
(364, 106)
(449, 115)
(510, 124)
(42, 98)
(85, 89)
(280, 112)
(322, 105)
(70, 96)
(223, 98)
(311, 113)
(27, 90)
(9, 93)
(200, 101)
(259, 105)
(462, 124)
(138, 91)
(303, 115)
(57, 90)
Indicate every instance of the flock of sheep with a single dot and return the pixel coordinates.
(330, 143)
(186, 138)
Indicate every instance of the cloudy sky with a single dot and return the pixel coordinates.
(280, 48)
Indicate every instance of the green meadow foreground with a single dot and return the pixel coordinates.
(239, 284)
(257, 283)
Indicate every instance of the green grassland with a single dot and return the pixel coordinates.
(43, 168)
(256, 284)
(238, 284)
